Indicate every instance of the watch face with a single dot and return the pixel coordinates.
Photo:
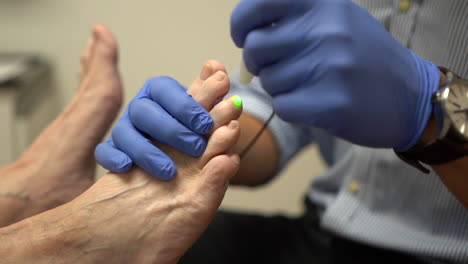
(457, 107)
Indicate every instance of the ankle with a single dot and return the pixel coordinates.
(45, 238)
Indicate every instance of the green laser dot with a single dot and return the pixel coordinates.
(237, 101)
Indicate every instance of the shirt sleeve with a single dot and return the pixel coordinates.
(291, 138)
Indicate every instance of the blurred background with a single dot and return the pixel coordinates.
(155, 38)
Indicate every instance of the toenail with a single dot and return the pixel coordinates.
(233, 124)
(206, 72)
(237, 101)
(219, 76)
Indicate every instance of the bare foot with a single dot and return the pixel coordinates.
(133, 217)
(136, 218)
(168, 217)
(60, 164)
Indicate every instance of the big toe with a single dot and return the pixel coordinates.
(105, 48)
(84, 59)
(212, 84)
(102, 78)
(209, 68)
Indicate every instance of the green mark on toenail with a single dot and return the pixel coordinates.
(237, 101)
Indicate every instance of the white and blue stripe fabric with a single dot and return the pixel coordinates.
(391, 205)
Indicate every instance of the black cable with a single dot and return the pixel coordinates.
(254, 140)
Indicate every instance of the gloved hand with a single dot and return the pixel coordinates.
(330, 64)
(163, 110)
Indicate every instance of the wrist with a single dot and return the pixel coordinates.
(443, 141)
(423, 87)
(430, 132)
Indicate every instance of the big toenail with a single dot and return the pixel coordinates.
(206, 72)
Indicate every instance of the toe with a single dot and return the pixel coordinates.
(209, 68)
(227, 110)
(106, 44)
(210, 92)
(84, 59)
(206, 72)
(221, 141)
(101, 77)
(215, 175)
(104, 33)
(215, 66)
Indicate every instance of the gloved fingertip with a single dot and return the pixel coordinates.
(251, 67)
(199, 147)
(237, 35)
(238, 39)
(204, 124)
(122, 165)
(111, 158)
(166, 172)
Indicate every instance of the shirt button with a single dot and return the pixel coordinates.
(353, 187)
(404, 5)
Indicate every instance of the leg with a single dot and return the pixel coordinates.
(133, 217)
(248, 238)
(36, 181)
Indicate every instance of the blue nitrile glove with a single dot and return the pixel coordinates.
(163, 110)
(330, 64)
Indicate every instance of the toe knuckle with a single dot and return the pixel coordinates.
(224, 89)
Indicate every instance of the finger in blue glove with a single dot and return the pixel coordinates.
(110, 157)
(163, 110)
(330, 64)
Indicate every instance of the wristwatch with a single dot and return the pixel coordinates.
(450, 104)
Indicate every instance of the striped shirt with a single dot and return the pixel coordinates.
(369, 195)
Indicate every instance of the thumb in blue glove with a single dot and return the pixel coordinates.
(163, 110)
(330, 64)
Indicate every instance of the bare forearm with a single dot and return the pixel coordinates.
(454, 174)
(261, 162)
(455, 177)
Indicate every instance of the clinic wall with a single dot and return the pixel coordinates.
(171, 37)
(156, 37)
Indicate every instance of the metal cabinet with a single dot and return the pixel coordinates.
(27, 102)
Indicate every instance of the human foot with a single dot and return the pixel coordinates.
(136, 218)
(167, 217)
(67, 145)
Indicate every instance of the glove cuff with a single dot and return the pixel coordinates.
(429, 78)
